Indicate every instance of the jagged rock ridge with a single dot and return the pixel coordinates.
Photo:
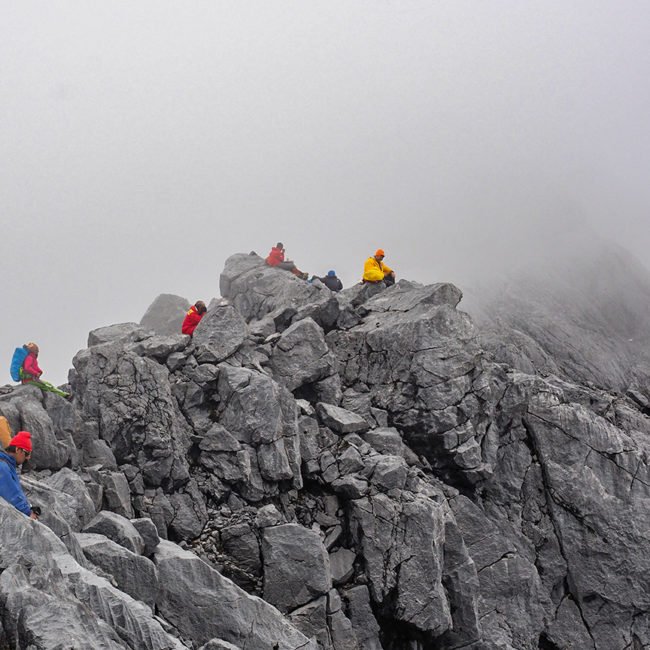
(326, 471)
(583, 316)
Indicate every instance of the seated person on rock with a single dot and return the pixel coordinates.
(276, 258)
(375, 271)
(331, 281)
(193, 317)
(18, 451)
(30, 372)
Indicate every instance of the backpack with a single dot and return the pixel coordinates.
(20, 354)
(5, 432)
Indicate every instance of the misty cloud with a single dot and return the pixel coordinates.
(144, 143)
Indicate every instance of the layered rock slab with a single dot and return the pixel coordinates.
(43, 587)
(202, 604)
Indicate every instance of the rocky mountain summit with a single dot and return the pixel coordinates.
(326, 471)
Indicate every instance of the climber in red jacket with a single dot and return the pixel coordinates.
(193, 317)
(276, 258)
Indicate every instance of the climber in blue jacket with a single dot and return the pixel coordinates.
(16, 453)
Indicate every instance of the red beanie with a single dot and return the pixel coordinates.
(22, 440)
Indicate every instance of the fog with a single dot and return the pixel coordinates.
(143, 143)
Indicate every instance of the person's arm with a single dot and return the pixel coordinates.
(339, 284)
(11, 491)
(386, 269)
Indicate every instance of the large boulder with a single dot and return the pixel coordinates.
(220, 333)
(69, 482)
(301, 356)
(256, 290)
(46, 596)
(165, 314)
(296, 566)
(202, 604)
(341, 420)
(118, 333)
(25, 410)
(118, 529)
(262, 416)
(134, 574)
(402, 544)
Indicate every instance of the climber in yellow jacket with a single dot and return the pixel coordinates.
(374, 270)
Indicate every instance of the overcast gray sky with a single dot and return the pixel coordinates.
(141, 143)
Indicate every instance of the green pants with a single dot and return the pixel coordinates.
(43, 385)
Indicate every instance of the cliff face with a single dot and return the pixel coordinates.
(585, 317)
(357, 461)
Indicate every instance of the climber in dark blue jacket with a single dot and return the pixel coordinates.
(17, 452)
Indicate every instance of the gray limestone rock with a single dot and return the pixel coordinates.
(59, 512)
(387, 440)
(149, 534)
(97, 452)
(256, 290)
(165, 314)
(220, 334)
(52, 447)
(218, 644)
(418, 360)
(301, 356)
(117, 495)
(311, 620)
(461, 583)
(364, 624)
(268, 516)
(240, 542)
(45, 613)
(190, 512)
(340, 420)
(350, 487)
(328, 390)
(342, 565)
(132, 619)
(134, 574)
(119, 333)
(117, 528)
(67, 481)
(353, 297)
(203, 605)
(296, 566)
(129, 398)
(46, 596)
(410, 536)
(389, 473)
(159, 347)
(262, 414)
(343, 636)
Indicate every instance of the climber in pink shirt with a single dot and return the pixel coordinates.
(30, 372)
